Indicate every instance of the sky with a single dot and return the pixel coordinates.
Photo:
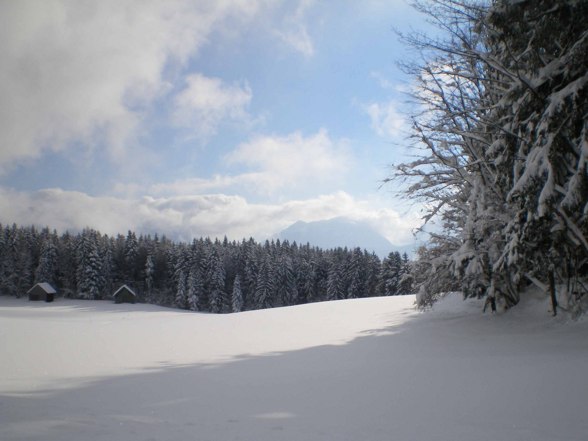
(195, 118)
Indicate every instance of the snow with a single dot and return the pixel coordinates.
(46, 287)
(124, 287)
(366, 369)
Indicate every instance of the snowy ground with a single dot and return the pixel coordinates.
(359, 370)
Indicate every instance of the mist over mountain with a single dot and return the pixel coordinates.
(342, 232)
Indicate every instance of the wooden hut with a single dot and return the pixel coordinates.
(42, 291)
(124, 295)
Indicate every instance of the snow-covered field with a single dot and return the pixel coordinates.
(358, 370)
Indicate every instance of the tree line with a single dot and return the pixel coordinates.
(501, 118)
(204, 275)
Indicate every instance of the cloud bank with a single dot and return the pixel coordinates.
(186, 217)
(270, 165)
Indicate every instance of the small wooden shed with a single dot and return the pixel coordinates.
(124, 295)
(42, 291)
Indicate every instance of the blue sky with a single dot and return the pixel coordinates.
(197, 118)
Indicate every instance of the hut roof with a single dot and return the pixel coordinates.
(45, 287)
(123, 288)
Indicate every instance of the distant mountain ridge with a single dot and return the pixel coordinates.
(341, 232)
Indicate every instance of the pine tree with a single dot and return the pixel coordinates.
(181, 299)
(250, 273)
(335, 288)
(373, 274)
(149, 272)
(307, 280)
(8, 275)
(391, 274)
(355, 275)
(406, 278)
(217, 297)
(237, 295)
(89, 277)
(264, 287)
(286, 281)
(131, 256)
(321, 276)
(24, 271)
(67, 265)
(195, 288)
(47, 268)
(106, 268)
(542, 48)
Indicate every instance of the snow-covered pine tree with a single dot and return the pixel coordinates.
(131, 254)
(181, 299)
(217, 298)
(207, 267)
(8, 253)
(307, 280)
(335, 284)
(89, 265)
(391, 274)
(107, 269)
(321, 276)
(149, 272)
(24, 269)
(249, 281)
(373, 267)
(237, 295)
(67, 264)
(406, 277)
(47, 268)
(541, 49)
(355, 273)
(195, 288)
(264, 286)
(286, 282)
(179, 259)
(250, 273)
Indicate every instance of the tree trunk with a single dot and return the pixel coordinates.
(552, 291)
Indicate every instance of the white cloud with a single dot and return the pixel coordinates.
(297, 37)
(85, 72)
(272, 165)
(292, 161)
(205, 102)
(294, 32)
(185, 217)
(386, 120)
(189, 186)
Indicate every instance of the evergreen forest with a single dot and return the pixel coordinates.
(205, 275)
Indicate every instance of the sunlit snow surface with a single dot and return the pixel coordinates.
(370, 369)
